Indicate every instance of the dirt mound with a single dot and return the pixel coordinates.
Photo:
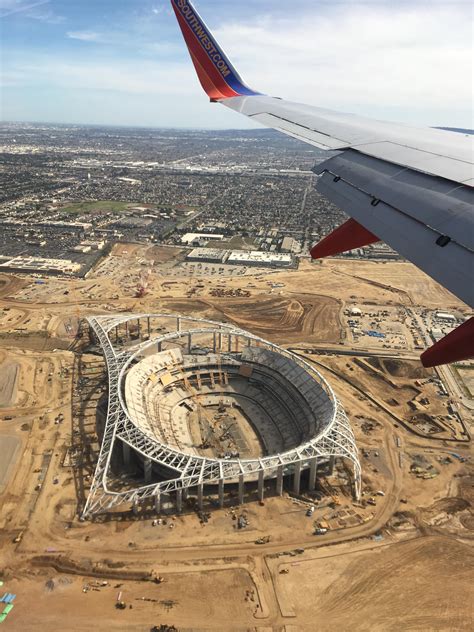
(315, 317)
(449, 505)
(63, 564)
(467, 522)
(400, 368)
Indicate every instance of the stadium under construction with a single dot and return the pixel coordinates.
(209, 414)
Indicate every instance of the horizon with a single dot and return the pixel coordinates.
(254, 129)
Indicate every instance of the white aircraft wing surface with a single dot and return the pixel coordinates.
(410, 187)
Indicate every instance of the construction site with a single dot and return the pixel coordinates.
(203, 405)
(204, 451)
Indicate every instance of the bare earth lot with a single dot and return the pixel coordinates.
(8, 449)
(8, 383)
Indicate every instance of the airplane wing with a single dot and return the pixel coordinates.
(410, 187)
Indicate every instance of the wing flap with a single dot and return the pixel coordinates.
(445, 208)
(450, 265)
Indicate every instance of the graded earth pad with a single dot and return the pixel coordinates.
(422, 584)
(9, 372)
(8, 448)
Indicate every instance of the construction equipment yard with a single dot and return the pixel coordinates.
(401, 557)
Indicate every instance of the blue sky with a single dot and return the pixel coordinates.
(123, 62)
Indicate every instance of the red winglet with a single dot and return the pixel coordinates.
(216, 73)
(347, 237)
(455, 347)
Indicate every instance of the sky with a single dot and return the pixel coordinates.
(123, 62)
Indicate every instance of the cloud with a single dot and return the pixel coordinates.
(87, 36)
(128, 77)
(39, 10)
(360, 57)
(9, 7)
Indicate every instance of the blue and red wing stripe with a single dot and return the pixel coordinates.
(218, 77)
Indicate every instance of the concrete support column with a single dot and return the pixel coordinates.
(135, 508)
(126, 328)
(241, 489)
(229, 345)
(179, 500)
(126, 454)
(147, 466)
(116, 334)
(221, 492)
(158, 346)
(214, 342)
(332, 460)
(220, 341)
(138, 327)
(200, 491)
(148, 326)
(189, 343)
(158, 503)
(313, 471)
(261, 479)
(185, 493)
(249, 342)
(279, 483)
(178, 324)
(297, 478)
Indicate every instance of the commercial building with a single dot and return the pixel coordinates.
(69, 226)
(256, 258)
(289, 245)
(200, 239)
(82, 248)
(39, 265)
(208, 255)
(448, 318)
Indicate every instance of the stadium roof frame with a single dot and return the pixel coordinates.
(335, 440)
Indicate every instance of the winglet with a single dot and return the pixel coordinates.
(218, 77)
(348, 236)
(455, 347)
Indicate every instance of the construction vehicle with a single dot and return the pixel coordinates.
(320, 531)
(226, 434)
(264, 540)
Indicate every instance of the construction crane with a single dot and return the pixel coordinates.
(226, 432)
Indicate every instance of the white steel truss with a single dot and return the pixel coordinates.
(336, 439)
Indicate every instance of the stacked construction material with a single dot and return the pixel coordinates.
(7, 599)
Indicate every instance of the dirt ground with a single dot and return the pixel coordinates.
(404, 563)
(398, 587)
(8, 449)
(311, 318)
(8, 383)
